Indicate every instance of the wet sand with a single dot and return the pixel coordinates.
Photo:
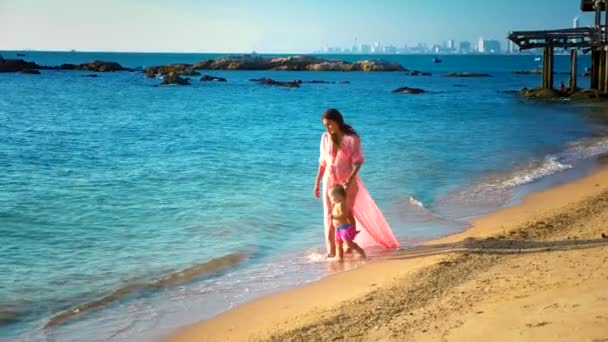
(535, 271)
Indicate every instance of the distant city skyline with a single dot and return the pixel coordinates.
(450, 46)
(271, 26)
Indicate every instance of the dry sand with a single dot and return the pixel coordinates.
(536, 271)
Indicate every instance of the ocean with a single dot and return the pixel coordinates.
(110, 187)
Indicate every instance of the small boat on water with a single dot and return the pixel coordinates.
(538, 59)
(436, 60)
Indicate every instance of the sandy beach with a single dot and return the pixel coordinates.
(535, 271)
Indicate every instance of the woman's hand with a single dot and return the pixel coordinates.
(346, 183)
(317, 192)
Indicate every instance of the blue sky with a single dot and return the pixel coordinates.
(267, 25)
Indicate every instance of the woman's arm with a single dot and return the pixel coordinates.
(357, 160)
(352, 175)
(320, 173)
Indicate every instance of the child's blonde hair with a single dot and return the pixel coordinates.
(338, 190)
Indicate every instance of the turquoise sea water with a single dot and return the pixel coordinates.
(114, 183)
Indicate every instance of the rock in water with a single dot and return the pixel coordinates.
(541, 93)
(209, 78)
(101, 66)
(291, 63)
(587, 95)
(408, 90)
(30, 71)
(16, 65)
(173, 78)
(271, 82)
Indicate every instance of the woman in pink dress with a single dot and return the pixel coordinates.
(339, 162)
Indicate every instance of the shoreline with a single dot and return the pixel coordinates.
(320, 307)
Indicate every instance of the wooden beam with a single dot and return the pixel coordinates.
(573, 70)
(605, 80)
(550, 65)
(593, 83)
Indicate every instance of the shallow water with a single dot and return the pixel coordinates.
(111, 181)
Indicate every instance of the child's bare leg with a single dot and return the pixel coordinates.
(354, 246)
(340, 250)
(331, 240)
(351, 218)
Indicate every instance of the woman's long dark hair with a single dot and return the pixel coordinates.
(335, 115)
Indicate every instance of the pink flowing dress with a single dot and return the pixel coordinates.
(368, 217)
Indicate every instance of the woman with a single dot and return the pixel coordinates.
(339, 162)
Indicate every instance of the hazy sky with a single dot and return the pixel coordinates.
(266, 25)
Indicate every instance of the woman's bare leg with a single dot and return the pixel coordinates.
(351, 194)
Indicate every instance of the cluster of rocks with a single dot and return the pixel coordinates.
(20, 65)
(173, 78)
(97, 66)
(552, 94)
(17, 65)
(254, 62)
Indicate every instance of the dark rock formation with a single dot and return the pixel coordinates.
(542, 93)
(319, 82)
(466, 74)
(101, 66)
(91, 75)
(209, 78)
(587, 95)
(344, 82)
(16, 65)
(67, 67)
(271, 82)
(30, 71)
(173, 78)
(178, 69)
(292, 63)
(408, 90)
(20, 55)
(97, 66)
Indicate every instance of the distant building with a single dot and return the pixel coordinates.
(464, 47)
(492, 46)
(366, 49)
(355, 49)
(481, 45)
(377, 48)
(390, 50)
(451, 44)
(436, 48)
(575, 22)
(488, 46)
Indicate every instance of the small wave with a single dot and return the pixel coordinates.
(549, 166)
(314, 257)
(190, 273)
(415, 202)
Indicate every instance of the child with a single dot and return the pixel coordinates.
(340, 216)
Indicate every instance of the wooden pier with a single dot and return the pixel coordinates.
(585, 39)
